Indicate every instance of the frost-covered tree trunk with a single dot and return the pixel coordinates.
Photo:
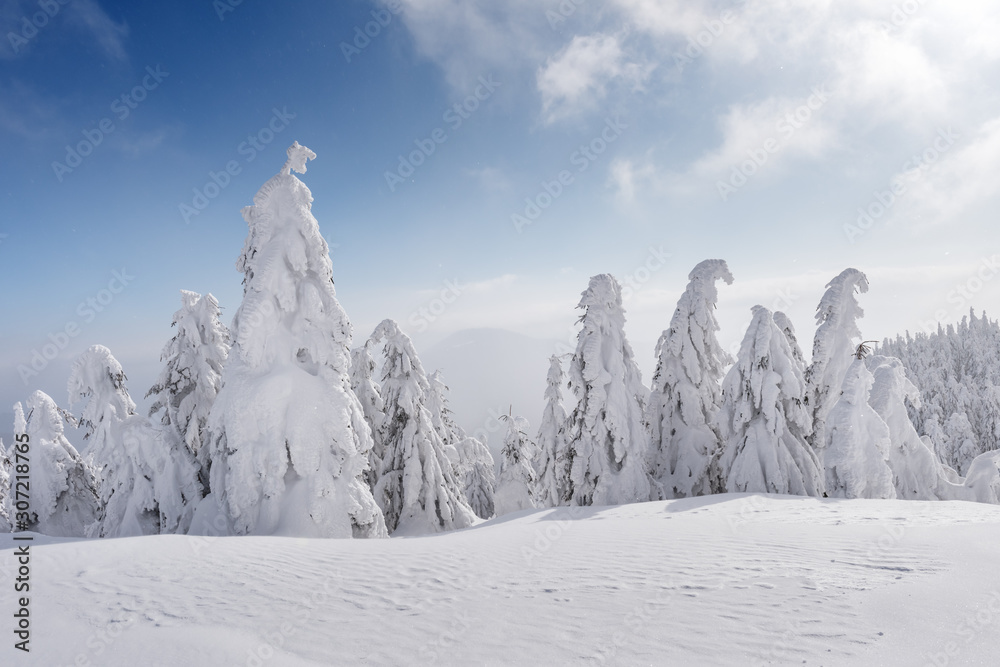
(552, 466)
(192, 376)
(63, 498)
(607, 440)
(147, 478)
(290, 442)
(517, 478)
(369, 395)
(833, 347)
(685, 390)
(917, 473)
(763, 420)
(856, 455)
(417, 489)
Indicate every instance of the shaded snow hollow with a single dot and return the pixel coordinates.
(721, 580)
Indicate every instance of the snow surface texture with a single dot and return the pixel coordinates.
(607, 436)
(833, 347)
(516, 482)
(721, 581)
(685, 392)
(290, 442)
(763, 420)
(417, 488)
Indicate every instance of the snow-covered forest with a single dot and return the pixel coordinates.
(286, 423)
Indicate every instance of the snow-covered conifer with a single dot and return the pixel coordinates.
(417, 489)
(856, 455)
(763, 420)
(685, 390)
(63, 499)
(786, 327)
(5, 468)
(192, 375)
(551, 465)
(516, 480)
(147, 478)
(290, 442)
(477, 471)
(833, 347)
(369, 395)
(607, 438)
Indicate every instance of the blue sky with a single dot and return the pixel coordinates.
(749, 131)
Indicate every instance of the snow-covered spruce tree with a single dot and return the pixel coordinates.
(856, 452)
(551, 466)
(5, 470)
(478, 472)
(147, 479)
(192, 376)
(367, 390)
(516, 481)
(63, 498)
(763, 420)
(917, 474)
(833, 347)
(289, 439)
(472, 463)
(786, 327)
(685, 390)
(607, 438)
(417, 489)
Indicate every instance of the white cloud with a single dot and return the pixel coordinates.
(577, 78)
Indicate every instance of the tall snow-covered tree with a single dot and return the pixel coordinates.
(551, 466)
(192, 375)
(685, 390)
(763, 419)
(607, 438)
(63, 498)
(836, 338)
(417, 489)
(516, 480)
(856, 453)
(290, 442)
(369, 395)
(147, 478)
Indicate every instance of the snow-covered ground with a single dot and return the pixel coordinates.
(722, 580)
